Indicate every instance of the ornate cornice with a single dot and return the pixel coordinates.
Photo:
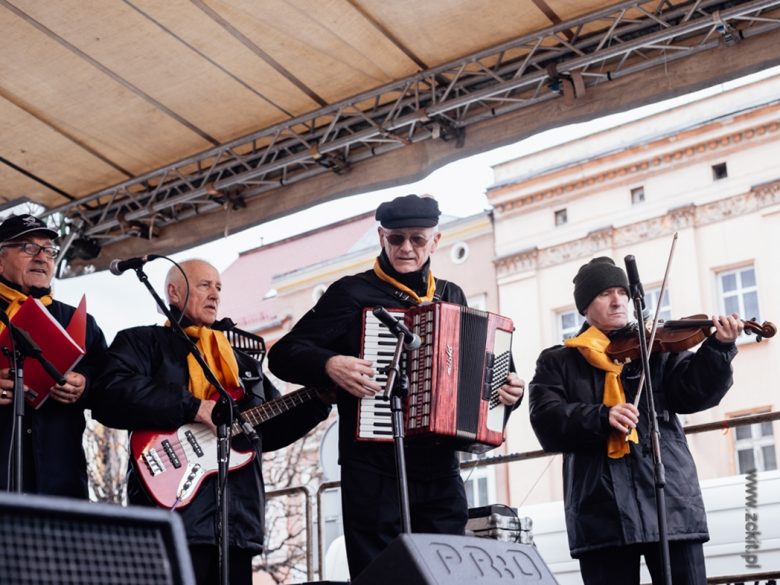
(674, 220)
(657, 161)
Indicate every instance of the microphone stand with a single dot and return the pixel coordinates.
(225, 411)
(22, 346)
(398, 384)
(659, 474)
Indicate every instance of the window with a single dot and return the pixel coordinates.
(560, 217)
(651, 300)
(480, 482)
(719, 172)
(637, 195)
(459, 253)
(739, 294)
(569, 323)
(318, 291)
(755, 447)
(478, 302)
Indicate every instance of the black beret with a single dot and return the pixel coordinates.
(408, 211)
(594, 277)
(19, 225)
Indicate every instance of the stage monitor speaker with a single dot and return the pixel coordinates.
(435, 559)
(61, 541)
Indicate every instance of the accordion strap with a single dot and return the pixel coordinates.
(370, 277)
(441, 286)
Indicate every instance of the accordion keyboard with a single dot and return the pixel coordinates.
(374, 411)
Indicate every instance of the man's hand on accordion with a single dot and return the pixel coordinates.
(352, 374)
(512, 391)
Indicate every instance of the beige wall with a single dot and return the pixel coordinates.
(722, 225)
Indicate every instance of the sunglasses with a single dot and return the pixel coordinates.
(399, 239)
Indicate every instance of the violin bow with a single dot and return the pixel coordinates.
(655, 321)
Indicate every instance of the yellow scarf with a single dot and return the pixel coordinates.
(14, 298)
(593, 345)
(219, 356)
(402, 287)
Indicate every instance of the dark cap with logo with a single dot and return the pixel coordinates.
(19, 225)
(409, 211)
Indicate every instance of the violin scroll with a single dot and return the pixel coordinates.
(765, 330)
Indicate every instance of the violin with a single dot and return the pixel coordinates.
(677, 335)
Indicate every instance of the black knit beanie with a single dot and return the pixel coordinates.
(594, 277)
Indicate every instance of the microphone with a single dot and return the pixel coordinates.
(645, 315)
(634, 284)
(411, 341)
(119, 266)
(633, 279)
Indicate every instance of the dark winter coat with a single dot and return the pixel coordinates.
(334, 327)
(52, 450)
(145, 386)
(611, 502)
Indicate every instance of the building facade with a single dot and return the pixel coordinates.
(708, 171)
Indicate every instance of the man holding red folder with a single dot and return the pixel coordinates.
(54, 461)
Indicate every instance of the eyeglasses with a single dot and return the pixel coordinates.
(399, 239)
(35, 249)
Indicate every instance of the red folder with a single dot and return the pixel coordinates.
(63, 348)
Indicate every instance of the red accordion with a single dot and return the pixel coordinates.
(454, 377)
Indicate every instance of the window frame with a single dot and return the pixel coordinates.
(740, 291)
(652, 302)
(579, 319)
(756, 442)
(473, 475)
(716, 171)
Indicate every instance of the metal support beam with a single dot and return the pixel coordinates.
(622, 40)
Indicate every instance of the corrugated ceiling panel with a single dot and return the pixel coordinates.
(68, 93)
(37, 148)
(141, 53)
(438, 32)
(333, 66)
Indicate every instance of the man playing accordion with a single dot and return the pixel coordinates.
(323, 348)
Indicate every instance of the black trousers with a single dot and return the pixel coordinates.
(372, 517)
(620, 565)
(205, 564)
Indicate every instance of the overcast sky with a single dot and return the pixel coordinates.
(118, 302)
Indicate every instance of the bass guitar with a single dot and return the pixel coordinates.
(173, 464)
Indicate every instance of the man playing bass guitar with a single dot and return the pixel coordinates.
(151, 382)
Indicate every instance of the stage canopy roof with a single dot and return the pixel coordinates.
(151, 127)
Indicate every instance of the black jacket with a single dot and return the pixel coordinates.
(333, 327)
(145, 386)
(611, 502)
(52, 450)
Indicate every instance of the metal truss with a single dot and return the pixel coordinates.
(559, 62)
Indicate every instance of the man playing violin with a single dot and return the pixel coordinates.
(581, 404)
